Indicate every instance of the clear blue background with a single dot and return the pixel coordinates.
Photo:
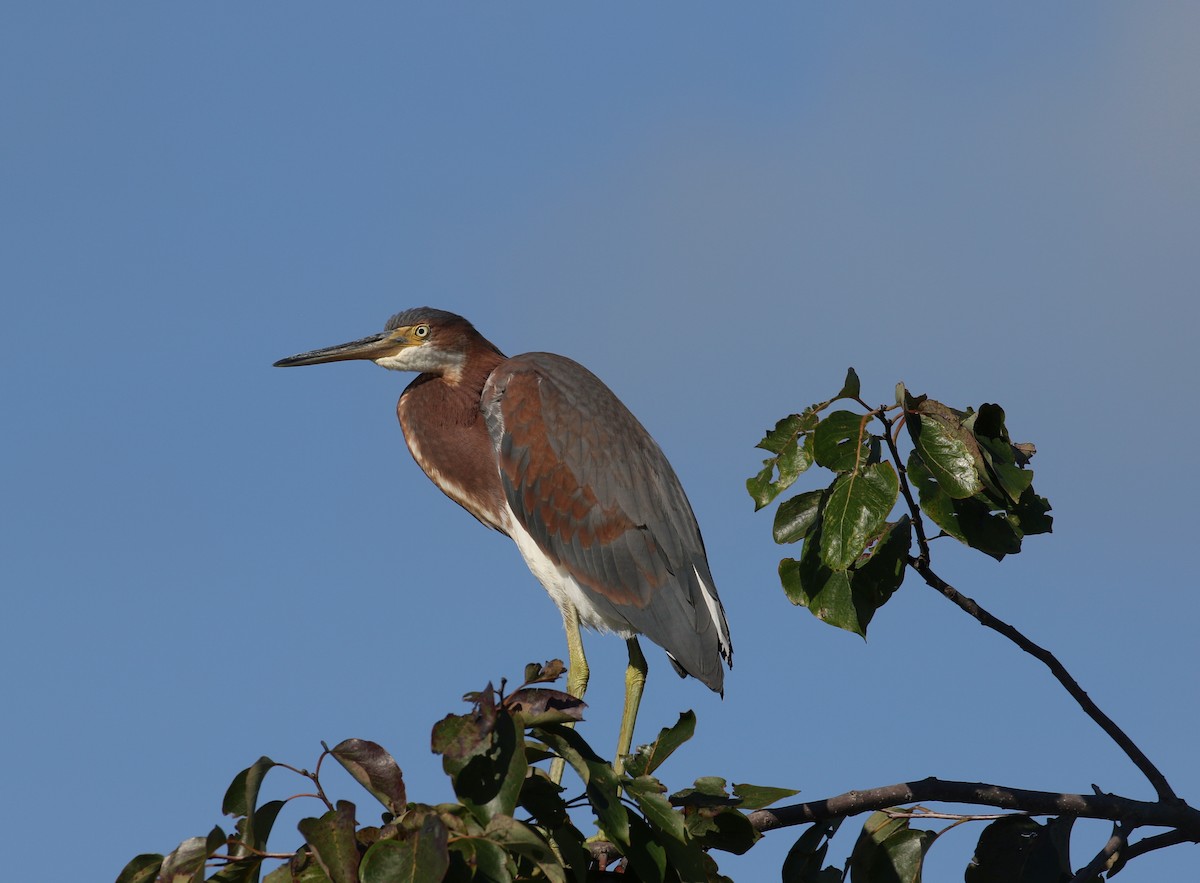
(716, 207)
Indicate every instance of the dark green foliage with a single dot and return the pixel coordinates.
(971, 480)
(1018, 849)
(510, 822)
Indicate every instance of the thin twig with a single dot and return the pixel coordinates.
(948, 816)
(971, 607)
(1116, 843)
(1150, 844)
(921, 564)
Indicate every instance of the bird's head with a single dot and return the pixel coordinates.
(421, 339)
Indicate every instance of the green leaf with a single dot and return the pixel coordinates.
(804, 859)
(647, 758)
(1017, 849)
(302, 868)
(647, 858)
(1029, 515)
(826, 593)
(659, 812)
(875, 580)
(856, 508)
(186, 863)
(242, 795)
(480, 859)
(948, 450)
(759, 796)
(332, 841)
(519, 839)
(600, 781)
(792, 450)
(484, 754)
(889, 851)
(141, 869)
(376, 770)
(724, 829)
(850, 389)
(970, 520)
(841, 441)
(251, 836)
(543, 800)
(849, 598)
(422, 857)
(796, 516)
(576, 857)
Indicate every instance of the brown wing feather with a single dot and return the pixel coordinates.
(599, 498)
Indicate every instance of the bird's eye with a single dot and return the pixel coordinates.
(421, 331)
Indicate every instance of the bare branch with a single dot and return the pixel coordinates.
(921, 564)
(971, 607)
(1150, 844)
(1134, 813)
(1116, 843)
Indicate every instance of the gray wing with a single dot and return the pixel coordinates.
(599, 498)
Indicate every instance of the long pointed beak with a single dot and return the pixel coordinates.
(369, 348)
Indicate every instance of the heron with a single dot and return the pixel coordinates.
(538, 448)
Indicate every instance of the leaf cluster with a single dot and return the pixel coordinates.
(972, 481)
(510, 821)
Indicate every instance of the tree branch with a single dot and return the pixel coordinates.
(921, 564)
(1115, 844)
(971, 607)
(1113, 807)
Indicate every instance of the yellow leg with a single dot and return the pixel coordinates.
(577, 674)
(635, 682)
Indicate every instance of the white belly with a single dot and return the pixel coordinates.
(561, 586)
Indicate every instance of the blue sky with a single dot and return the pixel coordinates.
(717, 210)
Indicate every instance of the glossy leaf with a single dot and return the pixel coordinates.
(826, 593)
(848, 598)
(186, 863)
(477, 858)
(841, 441)
(855, 509)
(889, 851)
(970, 521)
(647, 758)
(600, 781)
(242, 795)
(804, 860)
(421, 857)
(251, 836)
(792, 450)
(141, 869)
(724, 829)
(796, 516)
(646, 857)
(543, 800)
(375, 769)
(760, 796)
(947, 449)
(332, 841)
(519, 839)
(658, 810)
(1018, 849)
(876, 579)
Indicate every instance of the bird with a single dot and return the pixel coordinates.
(537, 447)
